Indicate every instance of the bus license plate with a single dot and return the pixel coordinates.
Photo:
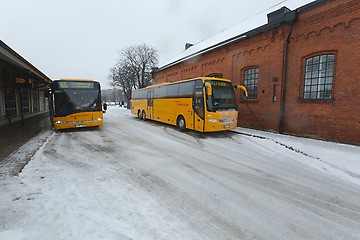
(227, 126)
(80, 125)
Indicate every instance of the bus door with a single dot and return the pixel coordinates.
(150, 104)
(198, 106)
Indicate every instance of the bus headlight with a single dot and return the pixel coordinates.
(212, 120)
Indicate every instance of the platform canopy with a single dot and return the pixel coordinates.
(16, 70)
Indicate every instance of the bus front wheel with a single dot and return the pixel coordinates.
(181, 123)
(139, 115)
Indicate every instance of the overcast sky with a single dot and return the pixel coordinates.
(82, 38)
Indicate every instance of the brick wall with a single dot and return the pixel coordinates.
(333, 28)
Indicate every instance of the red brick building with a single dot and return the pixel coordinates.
(301, 69)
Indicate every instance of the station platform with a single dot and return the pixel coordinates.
(14, 135)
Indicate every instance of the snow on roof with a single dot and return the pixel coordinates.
(233, 33)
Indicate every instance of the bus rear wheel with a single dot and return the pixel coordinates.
(143, 115)
(181, 123)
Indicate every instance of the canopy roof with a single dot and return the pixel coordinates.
(10, 57)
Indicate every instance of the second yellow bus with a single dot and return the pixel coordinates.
(203, 104)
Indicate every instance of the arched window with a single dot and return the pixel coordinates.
(251, 77)
(318, 77)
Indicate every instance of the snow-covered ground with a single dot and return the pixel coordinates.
(143, 180)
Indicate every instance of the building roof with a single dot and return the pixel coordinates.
(259, 23)
(10, 56)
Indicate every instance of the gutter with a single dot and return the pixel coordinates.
(290, 18)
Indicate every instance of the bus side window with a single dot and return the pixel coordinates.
(186, 89)
(172, 91)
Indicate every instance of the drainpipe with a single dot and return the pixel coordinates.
(290, 19)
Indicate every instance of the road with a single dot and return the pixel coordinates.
(132, 179)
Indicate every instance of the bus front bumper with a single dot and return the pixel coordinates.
(78, 124)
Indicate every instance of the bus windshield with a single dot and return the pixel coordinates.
(222, 98)
(69, 101)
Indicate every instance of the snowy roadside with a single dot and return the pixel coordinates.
(341, 160)
(15, 162)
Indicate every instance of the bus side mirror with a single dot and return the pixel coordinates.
(208, 88)
(242, 88)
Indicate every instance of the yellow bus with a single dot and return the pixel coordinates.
(203, 104)
(75, 103)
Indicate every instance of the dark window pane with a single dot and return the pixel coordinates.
(35, 101)
(10, 102)
(25, 101)
(186, 89)
(162, 92)
(173, 91)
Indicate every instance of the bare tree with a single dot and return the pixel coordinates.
(133, 69)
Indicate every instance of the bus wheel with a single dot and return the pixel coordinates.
(181, 123)
(139, 115)
(144, 116)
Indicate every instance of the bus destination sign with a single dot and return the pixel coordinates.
(219, 83)
(80, 85)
